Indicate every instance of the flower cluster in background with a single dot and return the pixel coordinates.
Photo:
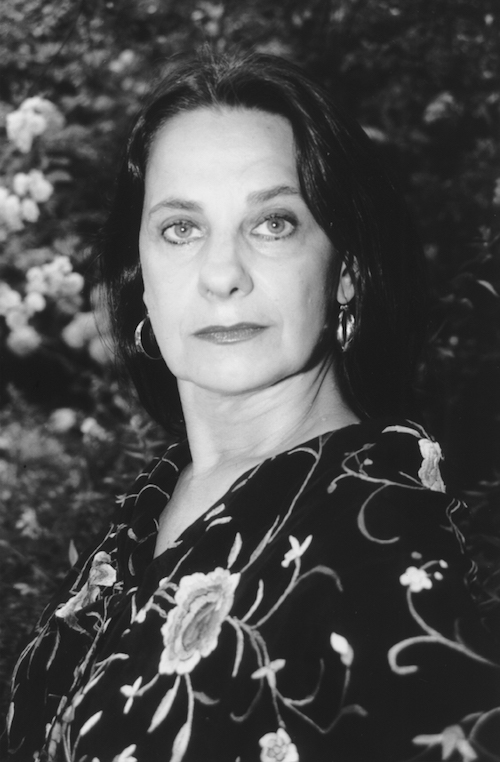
(22, 205)
(33, 117)
(44, 303)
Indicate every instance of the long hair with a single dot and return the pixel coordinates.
(349, 193)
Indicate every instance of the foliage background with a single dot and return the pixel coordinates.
(422, 77)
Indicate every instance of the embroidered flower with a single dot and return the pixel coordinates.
(192, 628)
(451, 739)
(429, 473)
(278, 747)
(416, 579)
(342, 647)
(296, 551)
(101, 574)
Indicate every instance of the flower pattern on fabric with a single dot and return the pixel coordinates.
(278, 747)
(416, 579)
(326, 579)
(451, 739)
(429, 473)
(296, 551)
(192, 628)
(101, 574)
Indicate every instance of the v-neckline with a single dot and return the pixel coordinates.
(223, 502)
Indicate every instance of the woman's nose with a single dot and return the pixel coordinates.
(223, 272)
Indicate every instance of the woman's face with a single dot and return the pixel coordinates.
(236, 270)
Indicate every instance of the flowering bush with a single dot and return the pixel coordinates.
(41, 296)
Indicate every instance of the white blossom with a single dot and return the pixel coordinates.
(443, 106)
(416, 579)
(34, 302)
(93, 430)
(28, 524)
(62, 420)
(17, 317)
(278, 747)
(29, 210)
(9, 298)
(34, 116)
(39, 187)
(23, 127)
(124, 61)
(10, 212)
(20, 184)
(72, 284)
(23, 340)
(80, 331)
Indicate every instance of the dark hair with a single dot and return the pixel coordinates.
(349, 193)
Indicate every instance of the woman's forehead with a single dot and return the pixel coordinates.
(211, 128)
(211, 146)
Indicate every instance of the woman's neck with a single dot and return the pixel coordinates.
(247, 428)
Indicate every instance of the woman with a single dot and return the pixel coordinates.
(285, 582)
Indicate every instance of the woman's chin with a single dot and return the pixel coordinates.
(231, 382)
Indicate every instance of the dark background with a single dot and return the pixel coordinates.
(422, 77)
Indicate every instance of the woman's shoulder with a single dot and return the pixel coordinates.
(379, 484)
(385, 451)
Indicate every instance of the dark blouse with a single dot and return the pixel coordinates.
(317, 612)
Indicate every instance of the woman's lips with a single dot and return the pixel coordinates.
(230, 334)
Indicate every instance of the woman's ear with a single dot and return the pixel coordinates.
(346, 289)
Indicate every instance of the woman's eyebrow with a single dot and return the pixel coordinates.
(259, 197)
(176, 203)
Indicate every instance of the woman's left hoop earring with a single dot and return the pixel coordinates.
(138, 340)
(345, 328)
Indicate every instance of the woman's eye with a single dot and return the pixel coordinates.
(181, 232)
(275, 227)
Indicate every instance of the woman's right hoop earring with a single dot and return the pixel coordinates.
(345, 328)
(138, 340)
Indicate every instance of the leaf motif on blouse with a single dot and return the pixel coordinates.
(278, 747)
(343, 648)
(192, 629)
(89, 724)
(222, 520)
(235, 550)
(181, 742)
(164, 706)
(126, 755)
(215, 511)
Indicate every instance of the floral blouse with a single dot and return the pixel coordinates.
(316, 613)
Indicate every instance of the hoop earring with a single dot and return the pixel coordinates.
(345, 328)
(138, 340)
